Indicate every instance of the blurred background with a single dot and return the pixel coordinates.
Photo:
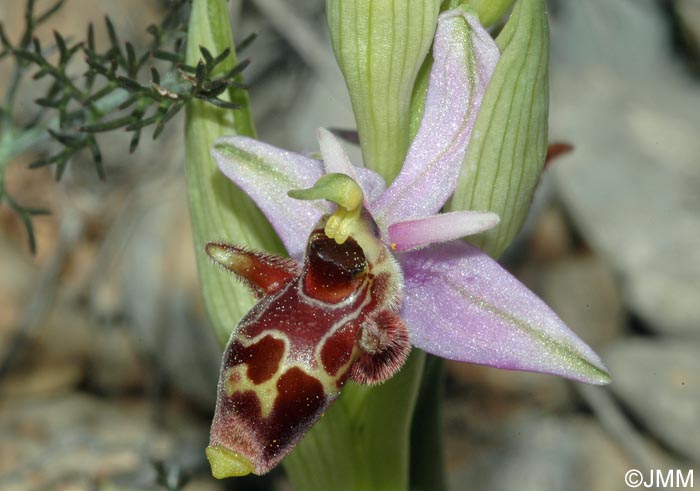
(107, 367)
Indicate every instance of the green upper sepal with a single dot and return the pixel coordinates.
(490, 11)
(380, 46)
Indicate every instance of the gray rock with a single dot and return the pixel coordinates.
(77, 441)
(582, 290)
(540, 453)
(550, 237)
(688, 14)
(659, 382)
(631, 184)
(513, 387)
(161, 296)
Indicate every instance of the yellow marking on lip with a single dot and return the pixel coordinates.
(266, 392)
(237, 380)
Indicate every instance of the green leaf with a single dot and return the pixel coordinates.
(219, 210)
(380, 46)
(509, 141)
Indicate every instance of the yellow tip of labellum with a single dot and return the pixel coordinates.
(227, 463)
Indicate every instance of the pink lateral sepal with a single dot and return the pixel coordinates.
(463, 306)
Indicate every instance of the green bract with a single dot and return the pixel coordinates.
(490, 11)
(219, 210)
(380, 46)
(509, 142)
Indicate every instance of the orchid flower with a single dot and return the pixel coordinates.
(382, 268)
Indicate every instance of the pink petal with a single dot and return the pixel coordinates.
(413, 234)
(266, 174)
(336, 160)
(455, 91)
(460, 304)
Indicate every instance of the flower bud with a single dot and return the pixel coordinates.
(509, 141)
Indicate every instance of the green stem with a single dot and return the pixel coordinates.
(362, 443)
(427, 472)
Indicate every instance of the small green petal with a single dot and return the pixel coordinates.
(338, 188)
(346, 193)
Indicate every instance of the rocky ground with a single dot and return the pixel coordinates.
(108, 370)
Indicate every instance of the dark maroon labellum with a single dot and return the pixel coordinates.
(313, 328)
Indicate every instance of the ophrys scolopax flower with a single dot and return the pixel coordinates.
(372, 270)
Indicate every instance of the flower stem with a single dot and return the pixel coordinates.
(363, 442)
(427, 468)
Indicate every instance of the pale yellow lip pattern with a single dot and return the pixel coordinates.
(227, 463)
